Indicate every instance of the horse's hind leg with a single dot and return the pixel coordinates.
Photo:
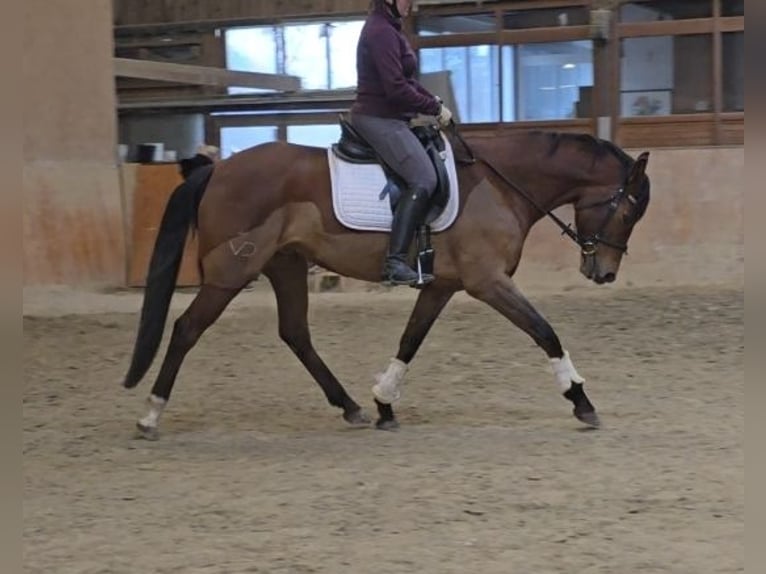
(203, 312)
(428, 306)
(502, 295)
(287, 273)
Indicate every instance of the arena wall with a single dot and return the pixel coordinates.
(692, 233)
(72, 217)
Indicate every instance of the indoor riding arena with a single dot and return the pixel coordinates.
(488, 472)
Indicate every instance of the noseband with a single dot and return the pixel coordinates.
(589, 244)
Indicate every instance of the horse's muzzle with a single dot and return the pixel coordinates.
(605, 278)
(591, 269)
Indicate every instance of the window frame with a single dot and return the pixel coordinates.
(712, 128)
(717, 127)
(501, 38)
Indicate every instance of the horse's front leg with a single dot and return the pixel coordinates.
(502, 295)
(387, 389)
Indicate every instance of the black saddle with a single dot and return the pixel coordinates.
(352, 147)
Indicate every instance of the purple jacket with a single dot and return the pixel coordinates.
(386, 66)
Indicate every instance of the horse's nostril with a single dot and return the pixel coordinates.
(609, 277)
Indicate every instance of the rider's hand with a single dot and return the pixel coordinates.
(445, 116)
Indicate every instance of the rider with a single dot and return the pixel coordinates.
(388, 95)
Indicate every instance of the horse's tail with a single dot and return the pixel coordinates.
(180, 214)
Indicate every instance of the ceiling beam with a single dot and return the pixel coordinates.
(138, 17)
(316, 100)
(203, 75)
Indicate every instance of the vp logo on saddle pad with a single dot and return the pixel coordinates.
(359, 204)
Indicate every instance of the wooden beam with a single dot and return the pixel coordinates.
(275, 119)
(732, 24)
(137, 17)
(717, 72)
(665, 28)
(203, 75)
(520, 36)
(334, 100)
(446, 40)
(467, 8)
(548, 34)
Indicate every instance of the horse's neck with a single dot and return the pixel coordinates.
(549, 181)
(535, 186)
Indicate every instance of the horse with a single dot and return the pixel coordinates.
(268, 210)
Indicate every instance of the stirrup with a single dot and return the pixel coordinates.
(391, 280)
(418, 282)
(391, 277)
(424, 278)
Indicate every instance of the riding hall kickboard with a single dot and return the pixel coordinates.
(146, 189)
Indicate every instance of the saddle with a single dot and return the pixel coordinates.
(353, 148)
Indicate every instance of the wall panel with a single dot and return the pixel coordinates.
(72, 218)
(692, 233)
(147, 190)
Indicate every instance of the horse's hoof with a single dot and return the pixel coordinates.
(357, 418)
(387, 424)
(147, 433)
(589, 418)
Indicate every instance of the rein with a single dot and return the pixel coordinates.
(587, 244)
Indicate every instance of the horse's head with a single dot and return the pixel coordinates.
(604, 225)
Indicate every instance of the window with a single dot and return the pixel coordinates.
(665, 10)
(734, 71)
(318, 53)
(305, 44)
(474, 78)
(314, 135)
(236, 139)
(662, 75)
(343, 39)
(546, 81)
(482, 84)
(692, 74)
(251, 50)
(733, 8)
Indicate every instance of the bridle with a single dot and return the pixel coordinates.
(588, 244)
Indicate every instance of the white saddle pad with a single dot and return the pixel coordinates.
(356, 190)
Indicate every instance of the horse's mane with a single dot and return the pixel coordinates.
(595, 147)
(598, 148)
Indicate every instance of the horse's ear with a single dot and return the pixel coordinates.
(639, 167)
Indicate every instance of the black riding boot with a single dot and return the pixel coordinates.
(409, 214)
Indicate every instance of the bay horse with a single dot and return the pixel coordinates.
(268, 210)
